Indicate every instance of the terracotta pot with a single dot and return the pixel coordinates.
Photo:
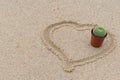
(96, 41)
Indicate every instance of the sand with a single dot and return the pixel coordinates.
(50, 40)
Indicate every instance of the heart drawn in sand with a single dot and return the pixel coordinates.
(69, 63)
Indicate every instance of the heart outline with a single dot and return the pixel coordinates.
(71, 64)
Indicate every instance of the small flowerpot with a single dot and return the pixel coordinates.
(96, 41)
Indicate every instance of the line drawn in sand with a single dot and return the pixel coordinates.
(69, 64)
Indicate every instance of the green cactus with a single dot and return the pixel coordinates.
(99, 31)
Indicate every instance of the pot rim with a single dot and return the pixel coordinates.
(98, 36)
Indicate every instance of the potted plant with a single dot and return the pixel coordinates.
(98, 35)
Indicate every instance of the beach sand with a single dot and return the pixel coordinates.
(26, 54)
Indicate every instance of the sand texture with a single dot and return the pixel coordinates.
(50, 40)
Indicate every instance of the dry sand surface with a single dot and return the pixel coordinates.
(50, 40)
